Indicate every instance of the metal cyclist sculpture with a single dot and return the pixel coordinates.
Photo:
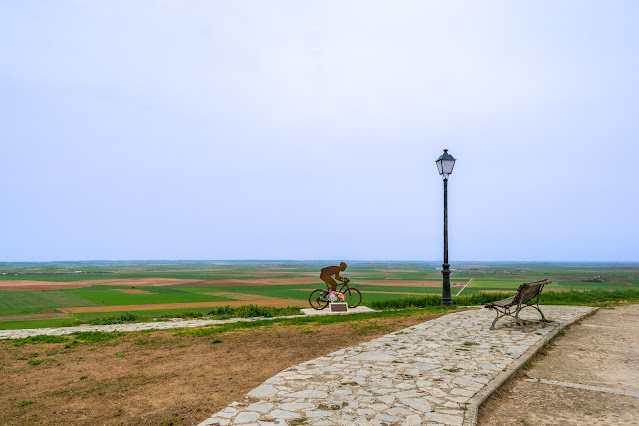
(320, 298)
(327, 273)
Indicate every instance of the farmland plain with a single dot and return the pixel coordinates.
(57, 293)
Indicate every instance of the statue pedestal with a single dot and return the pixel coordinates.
(339, 307)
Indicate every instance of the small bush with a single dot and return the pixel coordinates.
(124, 318)
(185, 314)
(222, 311)
(25, 403)
(251, 311)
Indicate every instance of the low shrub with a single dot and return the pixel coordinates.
(124, 318)
(592, 297)
(251, 311)
(221, 312)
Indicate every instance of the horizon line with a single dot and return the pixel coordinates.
(321, 260)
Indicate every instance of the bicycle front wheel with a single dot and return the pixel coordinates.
(317, 299)
(353, 297)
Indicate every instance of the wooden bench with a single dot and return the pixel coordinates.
(528, 294)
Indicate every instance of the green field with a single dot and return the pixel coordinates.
(378, 281)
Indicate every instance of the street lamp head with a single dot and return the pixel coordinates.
(445, 164)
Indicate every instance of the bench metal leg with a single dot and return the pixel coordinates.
(500, 314)
(492, 327)
(519, 320)
(543, 317)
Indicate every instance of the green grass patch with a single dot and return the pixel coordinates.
(310, 320)
(50, 323)
(110, 295)
(25, 403)
(39, 339)
(41, 361)
(124, 318)
(593, 297)
(95, 336)
(435, 300)
(251, 311)
(222, 312)
(14, 300)
(27, 311)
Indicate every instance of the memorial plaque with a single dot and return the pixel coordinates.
(339, 307)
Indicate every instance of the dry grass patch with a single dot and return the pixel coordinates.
(162, 376)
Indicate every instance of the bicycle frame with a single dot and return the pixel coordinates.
(344, 286)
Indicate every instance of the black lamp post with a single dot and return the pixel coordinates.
(445, 164)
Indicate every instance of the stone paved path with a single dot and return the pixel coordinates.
(424, 374)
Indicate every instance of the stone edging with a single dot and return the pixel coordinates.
(470, 417)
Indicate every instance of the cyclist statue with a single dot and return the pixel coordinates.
(327, 273)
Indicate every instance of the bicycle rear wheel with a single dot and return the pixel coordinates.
(353, 297)
(317, 299)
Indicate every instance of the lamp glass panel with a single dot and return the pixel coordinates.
(439, 166)
(447, 166)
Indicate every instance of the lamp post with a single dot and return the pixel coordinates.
(445, 164)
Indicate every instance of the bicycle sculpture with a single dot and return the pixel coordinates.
(320, 298)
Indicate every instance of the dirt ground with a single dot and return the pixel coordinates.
(32, 317)
(602, 351)
(19, 285)
(255, 281)
(408, 283)
(276, 303)
(241, 296)
(159, 377)
(133, 291)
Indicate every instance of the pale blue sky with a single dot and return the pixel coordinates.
(309, 130)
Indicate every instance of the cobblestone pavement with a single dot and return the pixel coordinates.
(424, 374)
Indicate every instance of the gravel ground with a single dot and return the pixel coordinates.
(588, 376)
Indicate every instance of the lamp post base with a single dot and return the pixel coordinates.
(447, 300)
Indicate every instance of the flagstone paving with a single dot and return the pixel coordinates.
(425, 374)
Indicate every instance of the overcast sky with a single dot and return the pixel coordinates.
(310, 129)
